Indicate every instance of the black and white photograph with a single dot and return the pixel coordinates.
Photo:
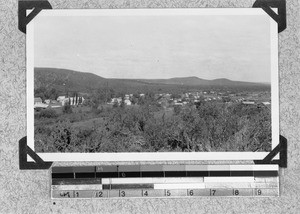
(157, 81)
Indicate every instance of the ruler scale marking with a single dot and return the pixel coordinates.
(165, 181)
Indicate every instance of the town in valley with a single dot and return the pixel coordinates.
(165, 100)
(82, 112)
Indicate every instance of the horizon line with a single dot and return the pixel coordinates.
(154, 78)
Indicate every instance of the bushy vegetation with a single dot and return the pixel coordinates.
(45, 93)
(67, 109)
(48, 113)
(209, 126)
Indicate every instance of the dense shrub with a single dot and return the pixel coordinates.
(48, 113)
(210, 126)
(177, 109)
(67, 109)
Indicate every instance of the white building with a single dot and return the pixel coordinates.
(72, 100)
(37, 100)
(116, 100)
(178, 104)
(248, 102)
(266, 103)
(127, 102)
(38, 103)
(47, 101)
(61, 98)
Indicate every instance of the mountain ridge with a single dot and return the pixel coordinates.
(76, 80)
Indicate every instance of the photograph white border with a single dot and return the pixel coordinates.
(151, 156)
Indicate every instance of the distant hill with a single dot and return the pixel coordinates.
(198, 81)
(178, 81)
(51, 77)
(62, 79)
(85, 82)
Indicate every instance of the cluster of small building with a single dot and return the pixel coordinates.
(163, 99)
(128, 98)
(59, 102)
(168, 100)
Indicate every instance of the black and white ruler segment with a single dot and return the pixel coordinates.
(164, 181)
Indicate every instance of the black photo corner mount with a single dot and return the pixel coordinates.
(23, 19)
(25, 150)
(37, 7)
(280, 16)
(281, 148)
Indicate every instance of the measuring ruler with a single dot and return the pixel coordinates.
(164, 181)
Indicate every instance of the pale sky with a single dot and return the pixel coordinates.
(156, 47)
